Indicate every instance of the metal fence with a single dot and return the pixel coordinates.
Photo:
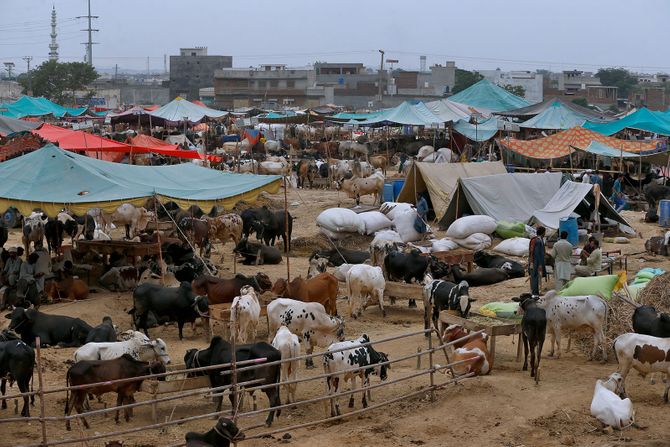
(240, 388)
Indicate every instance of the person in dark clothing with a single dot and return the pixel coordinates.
(403, 160)
(421, 213)
(608, 184)
(587, 250)
(536, 261)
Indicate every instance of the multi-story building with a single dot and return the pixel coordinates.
(530, 81)
(194, 69)
(580, 84)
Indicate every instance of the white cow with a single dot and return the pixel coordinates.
(247, 166)
(573, 313)
(341, 169)
(101, 218)
(139, 347)
(608, 407)
(364, 283)
(645, 353)
(316, 266)
(424, 151)
(309, 321)
(289, 346)
(442, 155)
(358, 187)
(340, 272)
(244, 314)
(134, 219)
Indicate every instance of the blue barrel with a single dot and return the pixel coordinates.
(388, 192)
(664, 213)
(397, 187)
(569, 224)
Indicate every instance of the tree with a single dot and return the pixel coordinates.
(517, 90)
(581, 102)
(465, 79)
(59, 81)
(617, 77)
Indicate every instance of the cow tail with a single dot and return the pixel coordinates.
(277, 381)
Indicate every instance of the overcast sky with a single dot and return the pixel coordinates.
(484, 34)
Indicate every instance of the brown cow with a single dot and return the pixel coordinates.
(96, 371)
(219, 290)
(379, 162)
(307, 170)
(228, 226)
(197, 230)
(69, 288)
(320, 289)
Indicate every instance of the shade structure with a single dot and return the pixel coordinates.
(9, 125)
(658, 156)
(555, 117)
(487, 95)
(448, 111)
(562, 144)
(147, 144)
(133, 116)
(407, 114)
(77, 140)
(536, 109)
(641, 119)
(180, 110)
(482, 131)
(51, 179)
(29, 106)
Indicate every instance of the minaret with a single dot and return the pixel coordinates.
(53, 46)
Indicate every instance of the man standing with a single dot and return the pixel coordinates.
(536, 264)
(593, 262)
(562, 252)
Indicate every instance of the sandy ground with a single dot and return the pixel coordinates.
(505, 408)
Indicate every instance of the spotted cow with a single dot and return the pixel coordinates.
(439, 295)
(646, 354)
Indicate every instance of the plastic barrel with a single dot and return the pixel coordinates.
(569, 224)
(388, 192)
(397, 187)
(664, 213)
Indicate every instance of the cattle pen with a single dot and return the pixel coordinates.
(422, 377)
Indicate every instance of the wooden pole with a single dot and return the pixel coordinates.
(286, 233)
(158, 239)
(38, 354)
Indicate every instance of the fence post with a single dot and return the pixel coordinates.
(418, 357)
(432, 367)
(40, 390)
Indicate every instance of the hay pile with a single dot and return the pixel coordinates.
(620, 317)
(305, 246)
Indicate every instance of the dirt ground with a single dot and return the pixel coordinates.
(505, 408)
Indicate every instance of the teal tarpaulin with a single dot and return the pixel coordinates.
(489, 96)
(483, 131)
(29, 106)
(407, 114)
(641, 119)
(179, 110)
(555, 117)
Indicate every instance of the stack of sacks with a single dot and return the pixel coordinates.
(498, 309)
(337, 222)
(641, 280)
(375, 221)
(442, 245)
(386, 235)
(472, 232)
(403, 216)
(516, 246)
(392, 209)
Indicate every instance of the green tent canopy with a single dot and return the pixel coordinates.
(29, 106)
(51, 179)
(641, 119)
(407, 114)
(555, 117)
(486, 95)
(179, 110)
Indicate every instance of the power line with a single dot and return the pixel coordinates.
(90, 43)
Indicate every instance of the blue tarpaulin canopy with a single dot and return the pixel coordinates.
(658, 156)
(448, 111)
(179, 110)
(483, 131)
(555, 117)
(29, 106)
(9, 125)
(407, 114)
(641, 119)
(51, 178)
(489, 96)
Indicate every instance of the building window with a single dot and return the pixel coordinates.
(290, 84)
(288, 101)
(274, 83)
(193, 53)
(262, 84)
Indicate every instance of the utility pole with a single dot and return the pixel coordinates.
(165, 63)
(381, 69)
(148, 69)
(116, 72)
(90, 43)
(30, 78)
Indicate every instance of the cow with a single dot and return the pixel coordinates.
(221, 435)
(53, 232)
(653, 193)
(289, 345)
(138, 347)
(439, 295)
(646, 354)
(274, 167)
(272, 225)
(66, 286)
(33, 231)
(379, 162)
(488, 260)
(104, 332)
(346, 360)
(219, 290)
(245, 313)
(227, 226)
(154, 304)
(70, 226)
(533, 330)
(219, 352)
(408, 267)
(338, 256)
(17, 361)
(102, 372)
(647, 321)
(134, 219)
(307, 171)
(609, 408)
(51, 329)
(309, 321)
(198, 231)
(472, 352)
(364, 283)
(257, 254)
(340, 169)
(574, 312)
(358, 187)
(101, 218)
(316, 266)
(320, 289)
(479, 277)
(120, 279)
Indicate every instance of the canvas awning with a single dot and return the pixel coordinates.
(657, 156)
(78, 140)
(51, 179)
(30, 106)
(487, 95)
(406, 114)
(641, 119)
(536, 109)
(482, 131)
(180, 110)
(9, 125)
(555, 117)
(448, 111)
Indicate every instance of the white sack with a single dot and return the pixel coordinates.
(386, 235)
(476, 241)
(375, 221)
(443, 245)
(404, 225)
(334, 235)
(465, 226)
(515, 246)
(393, 209)
(340, 220)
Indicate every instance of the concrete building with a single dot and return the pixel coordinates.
(10, 90)
(531, 82)
(575, 84)
(124, 91)
(194, 69)
(574, 80)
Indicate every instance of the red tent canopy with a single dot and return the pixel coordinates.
(145, 143)
(77, 140)
(199, 103)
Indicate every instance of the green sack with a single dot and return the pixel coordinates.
(643, 274)
(501, 310)
(591, 285)
(635, 289)
(508, 230)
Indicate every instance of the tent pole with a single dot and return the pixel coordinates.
(158, 239)
(415, 192)
(458, 196)
(286, 233)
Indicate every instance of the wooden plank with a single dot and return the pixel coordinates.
(498, 326)
(401, 290)
(127, 248)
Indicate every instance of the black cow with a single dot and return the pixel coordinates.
(338, 256)
(250, 217)
(480, 276)
(52, 329)
(488, 260)
(251, 251)
(104, 332)
(439, 295)
(53, 231)
(406, 266)
(533, 330)
(647, 321)
(220, 435)
(272, 225)
(653, 193)
(154, 304)
(17, 361)
(220, 352)
(85, 226)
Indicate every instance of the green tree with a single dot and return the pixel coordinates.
(581, 102)
(59, 81)
(515, 90)
(617, 77)
(465, 79)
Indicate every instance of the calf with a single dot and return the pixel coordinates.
(51, 329)
(647, 321)
(17, 361)
(138, 347)
(439, 295)
(408, 267)
(221, 435)
(572, 313)
(102, 372)
(473, 352)
(322, 289)
(198, 230)
(364, 283)
(104, 332)
(244, 314)
(222, 228)
(220, 290)
(533, 330)
(33, 231)
(646, 354)
(120, 279)
(338, 256)
(609, 408)
(316, 266)
(53, 231)
(255, 253)
(349, 359)
(480, 276)
(289, 346)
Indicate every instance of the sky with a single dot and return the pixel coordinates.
(477, 34)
